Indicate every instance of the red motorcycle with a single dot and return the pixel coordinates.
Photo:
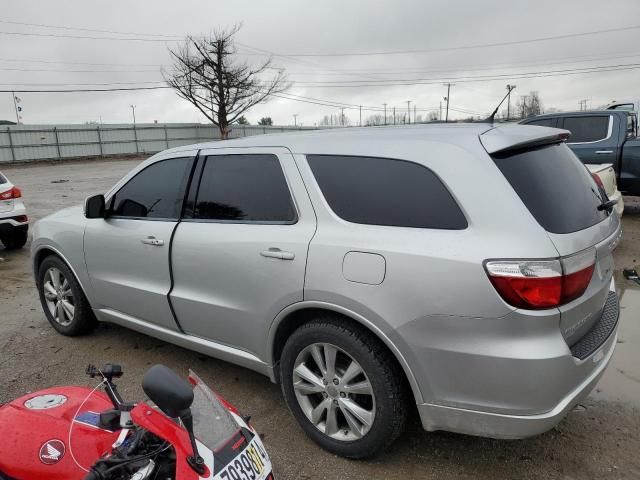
(76, 433)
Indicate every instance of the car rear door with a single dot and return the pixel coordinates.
(241, 257)
(127, 253)
(592, 138)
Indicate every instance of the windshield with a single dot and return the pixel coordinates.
(212, 422)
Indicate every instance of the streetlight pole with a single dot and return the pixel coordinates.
(133, 111)
(385, 113)
(408, 111)
(295, 119)
(509, 88)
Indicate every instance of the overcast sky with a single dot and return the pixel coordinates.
(330, 26)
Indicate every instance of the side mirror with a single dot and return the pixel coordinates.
(168, 391)
(94, 207)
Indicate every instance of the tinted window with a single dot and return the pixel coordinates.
(544, 122)
(587, 129)
(249, 188)
(381, 191)
(555, 186)
(2, 179)
(155, 192)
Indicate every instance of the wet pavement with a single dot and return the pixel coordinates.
(601, 439)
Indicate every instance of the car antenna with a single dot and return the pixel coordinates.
(490, 118)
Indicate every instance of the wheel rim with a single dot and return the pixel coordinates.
(334, 392)
(59, 297)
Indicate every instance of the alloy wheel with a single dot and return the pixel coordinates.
(334, 392)
(59, 297)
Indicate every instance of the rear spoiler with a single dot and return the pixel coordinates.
(505, 138)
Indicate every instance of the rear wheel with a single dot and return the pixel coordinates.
(343, 387)
(14, 239)
(63, 300)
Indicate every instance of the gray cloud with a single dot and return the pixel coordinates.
(320, 27)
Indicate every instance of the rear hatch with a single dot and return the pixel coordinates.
(562, 196)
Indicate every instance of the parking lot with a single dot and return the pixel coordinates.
(600, 439)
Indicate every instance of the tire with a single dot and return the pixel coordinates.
(385, 406)
(14, 240)
(71, 321)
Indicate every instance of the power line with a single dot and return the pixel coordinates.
(85, 37)
(466, 47)
(21, 60)
(62, 27)
(73, 71)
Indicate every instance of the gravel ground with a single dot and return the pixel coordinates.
(600, 439)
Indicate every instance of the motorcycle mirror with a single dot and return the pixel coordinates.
(172, 394)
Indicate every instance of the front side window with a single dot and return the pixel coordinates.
(383, 191)
(244, 188)
(587, 129)
(155, 192)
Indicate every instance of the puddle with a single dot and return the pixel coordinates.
(621, 381)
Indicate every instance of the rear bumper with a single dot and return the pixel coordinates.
(558, 382)
(12, 224)
(617, 196)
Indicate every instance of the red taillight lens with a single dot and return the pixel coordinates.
(598, 180)
(540, 284)
(15, 192)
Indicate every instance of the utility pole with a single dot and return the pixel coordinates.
(385, 113)
(133, 111)
(408, 111)
(295, 119)
(394, 115)
(524, 104)
(414, 113)
(583, 104)
(342, 117)
(440, 117)
(509, 88)
(449, 85)
(15, 106)
(360, 115)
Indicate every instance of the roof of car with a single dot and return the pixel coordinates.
(577, 113)
(499, 136)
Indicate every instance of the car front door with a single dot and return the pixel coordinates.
(127, 253)
(241, 258)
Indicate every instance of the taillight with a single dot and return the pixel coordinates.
(540, 284)
(598, 180)
(14, 192)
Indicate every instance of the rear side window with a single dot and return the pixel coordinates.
(2, 179)
(383, 191)
(156, 192)
(555, 186)
(544, 122)
(244, 188)
(587, 129)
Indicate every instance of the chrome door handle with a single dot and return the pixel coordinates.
(603, 152)
(277, 253)
(152, 241)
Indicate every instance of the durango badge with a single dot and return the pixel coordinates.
(52, 452)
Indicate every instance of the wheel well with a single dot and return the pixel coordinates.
(296, 319)
(40, 257)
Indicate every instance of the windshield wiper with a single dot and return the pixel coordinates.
(608, 206)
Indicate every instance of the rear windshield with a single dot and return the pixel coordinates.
(555, 186)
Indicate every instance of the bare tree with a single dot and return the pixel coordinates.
(529, 105)
(207, 74)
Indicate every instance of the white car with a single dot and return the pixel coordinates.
(14, 223)
(605, 177)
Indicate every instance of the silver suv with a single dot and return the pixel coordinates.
(465, 268)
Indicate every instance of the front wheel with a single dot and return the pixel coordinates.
(62, 298)
(343, 387)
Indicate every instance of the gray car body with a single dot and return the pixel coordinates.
(474, 363)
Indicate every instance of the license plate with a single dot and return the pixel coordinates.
(252, 464)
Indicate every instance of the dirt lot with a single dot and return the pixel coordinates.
(599, 440)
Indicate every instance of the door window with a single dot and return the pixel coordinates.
(244, 188)
(543, 122)
(155, 192)
(587, 129)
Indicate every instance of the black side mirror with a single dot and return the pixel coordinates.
(94, 207)
(174, 397)
(168, 391)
